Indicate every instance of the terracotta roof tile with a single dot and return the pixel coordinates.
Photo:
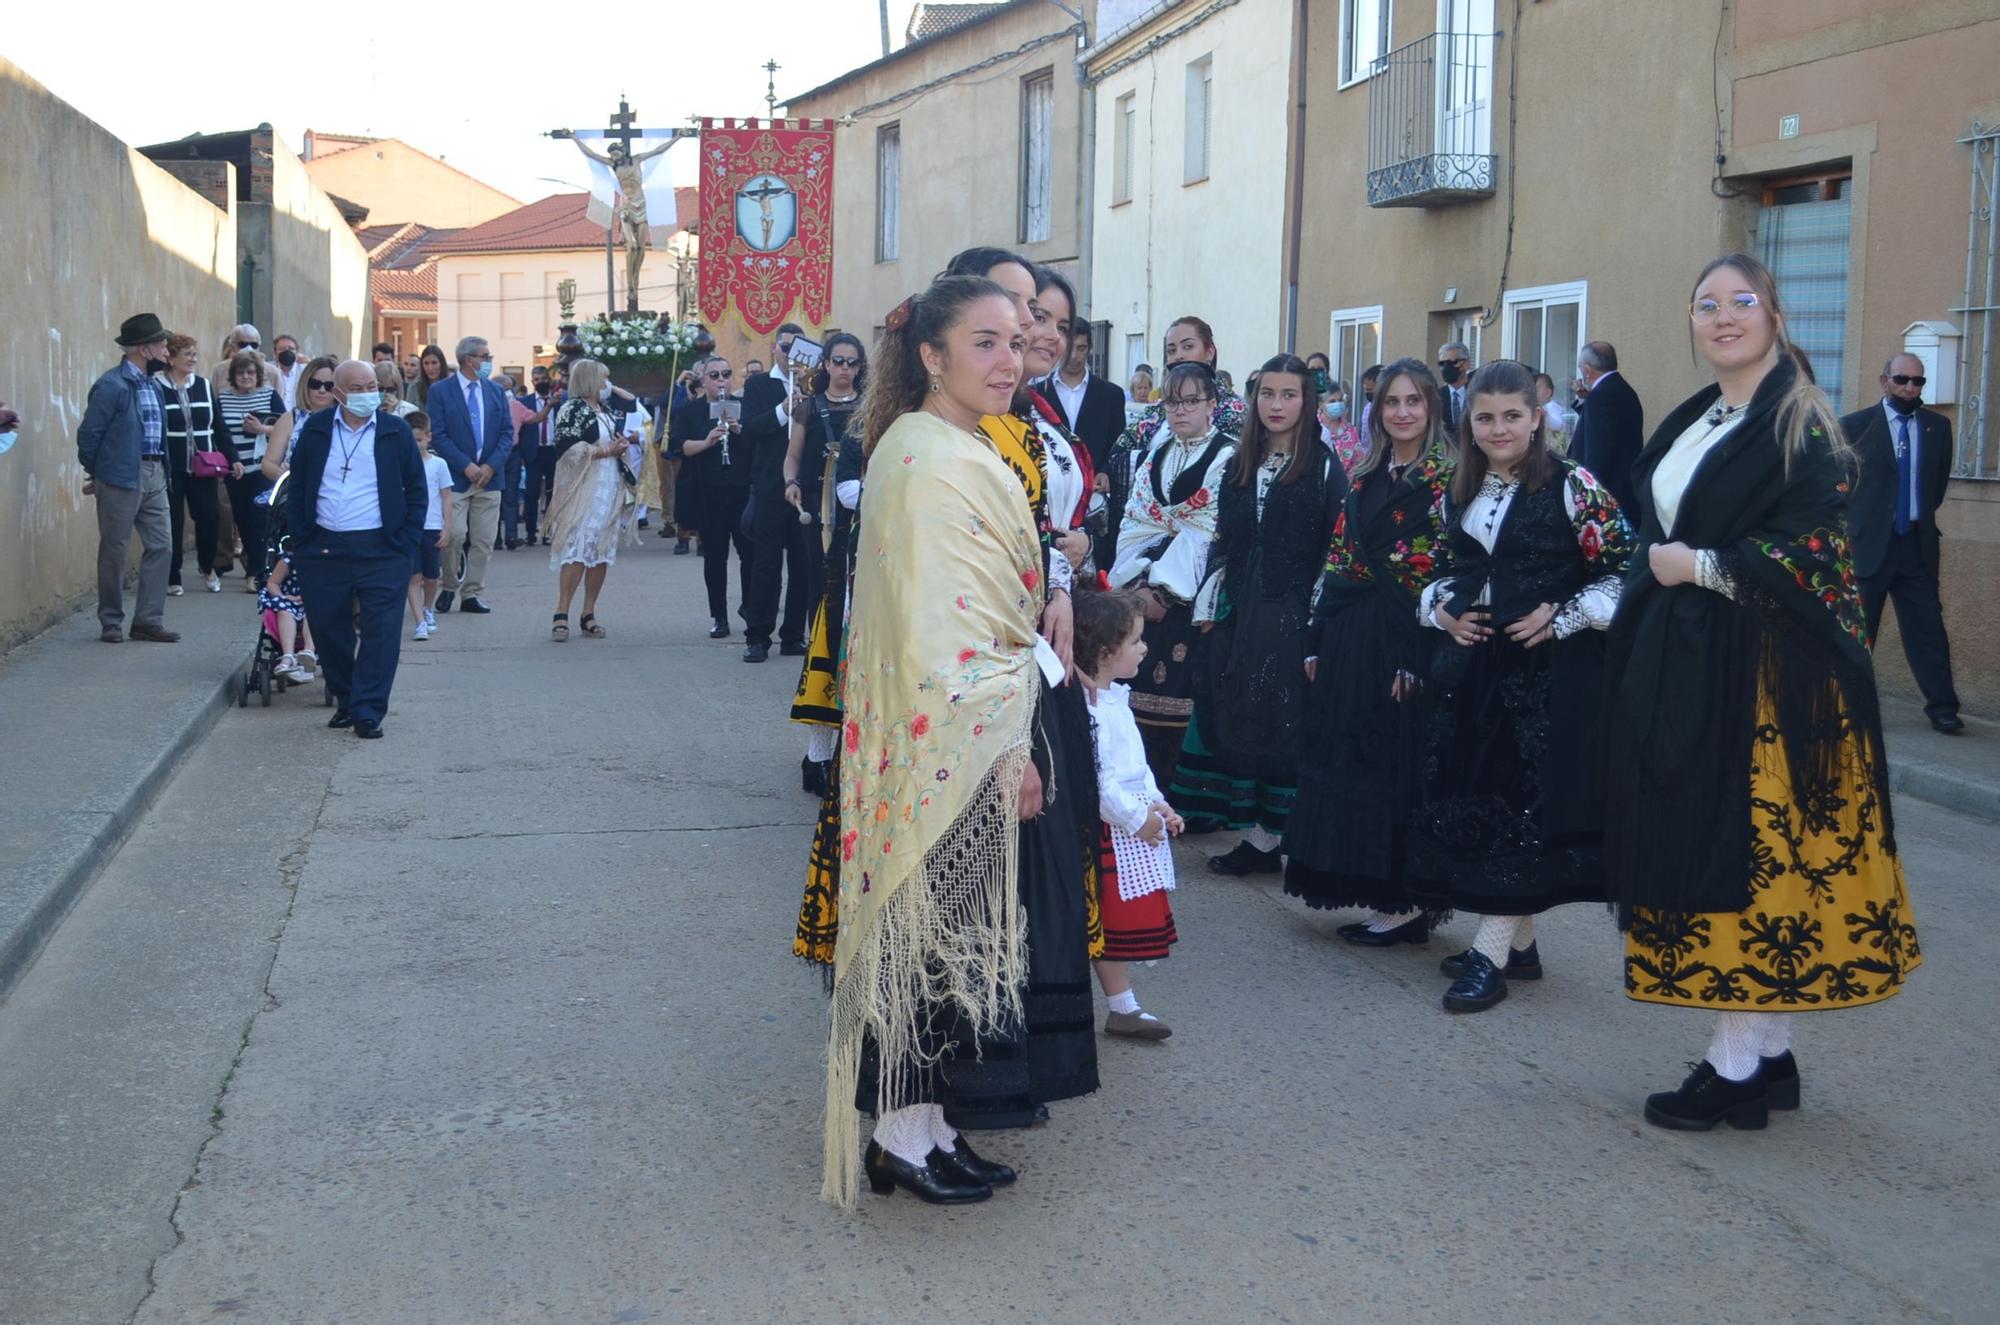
(556, 222)
(405, 289)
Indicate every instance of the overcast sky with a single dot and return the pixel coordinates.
(476, 86)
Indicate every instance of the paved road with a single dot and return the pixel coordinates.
(496, 1020)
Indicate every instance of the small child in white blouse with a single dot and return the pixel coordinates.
(1139, 872)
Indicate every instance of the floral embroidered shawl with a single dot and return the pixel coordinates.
(938, 698)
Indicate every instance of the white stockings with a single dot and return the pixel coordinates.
(1263, 839)
(1741, 1038)
(1500, 935)
(1382, 921)
(821, 744)
(913, 1132)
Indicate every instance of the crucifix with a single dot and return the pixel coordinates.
(763, 196)
(771, 68)
(629, 217)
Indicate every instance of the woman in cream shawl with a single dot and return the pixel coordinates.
(591, 509)
(937, 700)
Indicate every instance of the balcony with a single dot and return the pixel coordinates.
(1430, 122)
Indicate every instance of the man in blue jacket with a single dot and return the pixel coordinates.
(122, 446)
(473, 429)
(355, 505)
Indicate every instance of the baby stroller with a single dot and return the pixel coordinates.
(261, 675)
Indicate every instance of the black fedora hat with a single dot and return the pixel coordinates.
(141, 329)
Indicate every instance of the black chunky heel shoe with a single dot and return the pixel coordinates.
(887, 1172)
(1522, 964)
(964, 1163)
(1707, 1098)
(1780, 1076)
(1410, 931)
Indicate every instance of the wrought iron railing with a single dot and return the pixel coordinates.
(1430, 122)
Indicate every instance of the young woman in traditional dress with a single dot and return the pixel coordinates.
(1346, 840)
(1163, 544)
(1748, 839)
(1275, 513)
(938, 704)
(1189, 340)
(1510, 817)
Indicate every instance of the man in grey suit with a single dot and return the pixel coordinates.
(1903, 463)
(122, 447)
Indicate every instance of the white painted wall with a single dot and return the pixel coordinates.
(510, 298)
(1213, 249)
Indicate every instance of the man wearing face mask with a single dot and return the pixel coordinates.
(472, 427)
(1454, 366)
(1904, 462)
(356, 503)
(122, 446)
(289, 370)
(1610, 428)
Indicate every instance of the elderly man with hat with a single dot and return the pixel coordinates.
(122, 445)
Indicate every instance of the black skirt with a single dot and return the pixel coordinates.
(1510, 819)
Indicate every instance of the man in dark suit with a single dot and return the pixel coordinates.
(472, 428)
(1611, 423)
(1454, 369)
(777, 539)
(355, 503)
(1903, 454)
(1091, 407)
(714, 486)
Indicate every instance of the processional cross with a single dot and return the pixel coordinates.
(630, 217)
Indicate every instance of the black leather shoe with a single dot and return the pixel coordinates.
(756, 653)
(340, 721)
(1522, 964)
(444, 602)
(809, 777)
(513, 544)
(718, 629)
(1950, 726)
(681, 548)
(887, 1172)
(963, 1163)
(1707, 1098)
(474, 606)
(792, 650)
(1410, 931)
(1780, 1076)
(1246, 859)
(1478, 987)
(366, 730)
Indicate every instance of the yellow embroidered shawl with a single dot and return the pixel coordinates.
(938, 699)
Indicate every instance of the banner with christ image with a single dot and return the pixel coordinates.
(766, 222)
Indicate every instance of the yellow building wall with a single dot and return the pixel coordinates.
(397, 183)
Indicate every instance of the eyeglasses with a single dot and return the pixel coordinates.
(1903, 379)
(844, 361)
(1188, 402)
(320, 384)
(1705, 311)
(722, 376)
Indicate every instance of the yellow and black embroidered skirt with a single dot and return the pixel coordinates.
(1829, 922)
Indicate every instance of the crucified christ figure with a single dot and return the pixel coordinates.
(631, 207)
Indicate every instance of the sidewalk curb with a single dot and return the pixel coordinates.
(1944, 788)
(91, 836)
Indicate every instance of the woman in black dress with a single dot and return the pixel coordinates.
(1275, 513)
(1510, 819)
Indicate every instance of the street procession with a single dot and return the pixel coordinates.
(1205, 660)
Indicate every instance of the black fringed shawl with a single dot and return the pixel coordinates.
(1684, 664)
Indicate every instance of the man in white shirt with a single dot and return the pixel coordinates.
(289, 369)
(357, 500)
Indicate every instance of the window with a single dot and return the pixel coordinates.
(1135, 353)
(1200, 93)
(1803, 236)
(1364, 36)
(1125, 118)
(888, 192)
(1355, 344)
(1100, 349)
(1038, 106)
(1543, 327)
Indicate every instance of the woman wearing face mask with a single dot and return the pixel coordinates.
(936, 758)
(1740, 646)
(593, 503)
(1337, 428)
(1275, 509)
(1510, 812)
(1346, 840)
(194, 426)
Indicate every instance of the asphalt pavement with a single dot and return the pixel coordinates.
(496, 1019)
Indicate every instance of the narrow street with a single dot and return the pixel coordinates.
(496, 1020)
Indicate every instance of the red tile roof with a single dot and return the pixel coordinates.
(405, 289)
(556, 222)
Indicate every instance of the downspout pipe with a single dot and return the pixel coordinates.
(1296, 203)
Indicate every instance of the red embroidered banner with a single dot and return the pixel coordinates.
(766, 221)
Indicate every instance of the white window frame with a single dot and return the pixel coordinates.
(1543, 296)
(1124, 126)
(1365, 315)
(888, 194)
(1038, 157)
(1350, 70)
(1200, 132)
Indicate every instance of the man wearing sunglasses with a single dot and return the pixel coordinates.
(714, 485)
(1610, 424)
(1904, 453)
(777, 540)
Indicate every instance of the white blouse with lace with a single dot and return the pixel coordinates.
(1593, 605)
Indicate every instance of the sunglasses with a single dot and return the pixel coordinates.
(320, 384)
(1705, 311)
(722, 376)
(246, 344)
(1903, 379)
(843, 361)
